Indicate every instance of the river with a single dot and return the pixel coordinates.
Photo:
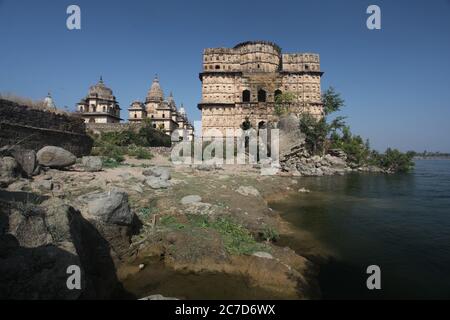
(399, 222)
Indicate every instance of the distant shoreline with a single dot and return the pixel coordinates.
(432, 158)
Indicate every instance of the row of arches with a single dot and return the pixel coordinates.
(262, 95)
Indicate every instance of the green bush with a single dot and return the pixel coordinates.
(139, 152)
(393, 160)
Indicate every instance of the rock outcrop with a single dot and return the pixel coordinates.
(40, 239)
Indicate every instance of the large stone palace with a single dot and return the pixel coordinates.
(101, 107)
(242, 83)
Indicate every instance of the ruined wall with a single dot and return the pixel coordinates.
(34, 129)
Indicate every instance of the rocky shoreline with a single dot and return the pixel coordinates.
(121, 223)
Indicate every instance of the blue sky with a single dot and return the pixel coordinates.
(395, 80)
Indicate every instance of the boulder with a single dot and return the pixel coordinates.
(8, 171)
(38, 242)
(26, 159)
(92, 163)
(109, 207)
(55, 157)
(157, 183)
(191, 199)
(248, 191)
(158, 172)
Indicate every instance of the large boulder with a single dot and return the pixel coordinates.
(38, 242)
(108, 207)
(92, 163)
(25, 158)
(8, 171)
(36, 248)
(55, 157)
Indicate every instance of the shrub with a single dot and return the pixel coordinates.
(393, 160)
(139, 152)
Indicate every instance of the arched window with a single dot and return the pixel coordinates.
(104, 109)
(217, 67)
(246, 96)
(81, 109)
(277, 94)
(261, 96)
(262, 125)
(135, 115)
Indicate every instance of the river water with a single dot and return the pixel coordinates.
(399, 222)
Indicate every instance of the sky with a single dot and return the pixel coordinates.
(395, 81)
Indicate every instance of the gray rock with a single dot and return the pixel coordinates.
(92, 163)
(55, 157)
(108, 207)
(262, 254)
(157, 183)
(248, 191)
(42, 185)
(158, 172)
(8, 171)
(26, 159)
(190, 199)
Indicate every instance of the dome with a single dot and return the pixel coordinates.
(101, 91)
(155, 93)
(182, 111)
(49, 103)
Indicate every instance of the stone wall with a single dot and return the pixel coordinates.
(112, 127)
(34, 129)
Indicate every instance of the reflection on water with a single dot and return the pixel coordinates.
(399, 222)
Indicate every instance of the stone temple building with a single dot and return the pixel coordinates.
(100, 105)
(162, 113)
(243, 82)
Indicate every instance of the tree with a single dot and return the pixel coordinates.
(332, 101)
(283, 102)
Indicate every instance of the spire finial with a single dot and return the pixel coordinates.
(101, 79)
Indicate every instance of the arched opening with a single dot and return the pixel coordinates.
(277, 94)
(91, 120)
(217, 67)
(104, 109)
(261, 95)
(262, 125)
(246, 96)
(135, 115)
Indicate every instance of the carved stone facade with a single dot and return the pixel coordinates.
(242, 83)
(100, 105)
(162, 112)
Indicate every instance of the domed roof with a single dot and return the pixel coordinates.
(49, 103)
(101, 91)
(155, 93)
(182, 111)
